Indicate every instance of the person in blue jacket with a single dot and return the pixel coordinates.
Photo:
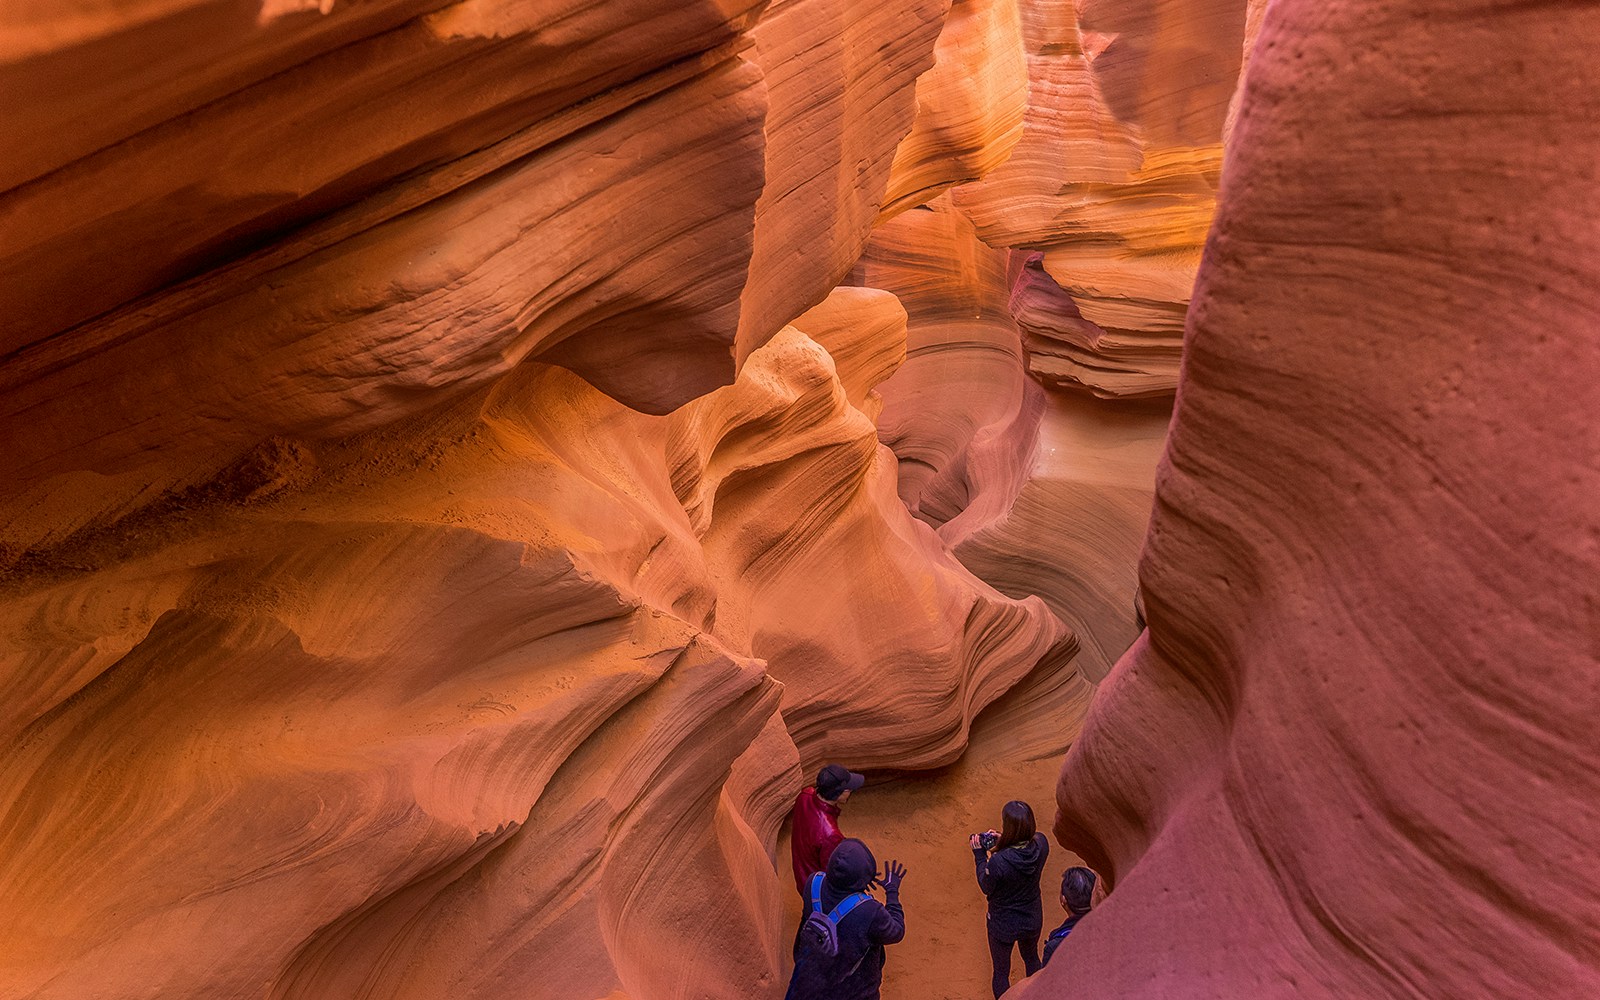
(1009, 876)
(1077, 895)
(863, 927)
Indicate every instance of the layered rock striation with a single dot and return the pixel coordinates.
(467, 689)
(1113, 182)
(445, 511)
(1351, 757)
(467, 462)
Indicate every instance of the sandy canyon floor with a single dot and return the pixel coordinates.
(923, 821)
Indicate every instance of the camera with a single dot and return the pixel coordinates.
(988, 839)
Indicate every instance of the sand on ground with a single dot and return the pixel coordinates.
(923, 821)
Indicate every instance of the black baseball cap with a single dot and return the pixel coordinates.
(834, 780)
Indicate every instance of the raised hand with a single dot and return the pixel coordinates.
(893, 873)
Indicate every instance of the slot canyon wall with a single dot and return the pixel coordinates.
(467, 463)
(445, 510)
(1353, 756)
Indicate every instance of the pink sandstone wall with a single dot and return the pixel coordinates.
(1354, 755)
(467, 462)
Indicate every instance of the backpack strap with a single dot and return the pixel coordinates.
(847, 904)
(816, 893)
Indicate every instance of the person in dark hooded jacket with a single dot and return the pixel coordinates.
(1009, 876)
(856, 972)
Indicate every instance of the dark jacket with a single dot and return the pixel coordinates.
(1010, 878)
(813, 834)
(1060, 934)
(856, 973)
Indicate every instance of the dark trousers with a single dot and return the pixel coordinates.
(1000, 954)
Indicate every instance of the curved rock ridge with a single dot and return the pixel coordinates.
(1353, 754)
(970, 105)
(1037, 492)
(841, 79)
(350, 646)
(449, 506)
(1067, 351)
(1074, 531)
(636, 197)
(960, 414)
(322, 109)
(448, 295)
(1114, 179)
(337, 714)
(791, 427)
(475, 691)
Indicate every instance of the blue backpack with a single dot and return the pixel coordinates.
(821, 930)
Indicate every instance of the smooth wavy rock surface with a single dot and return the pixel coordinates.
(960, 414)
(369, 261)
(1038, 492)
(471, 730)
(229, 132)
(1114, 179)
(321, 744)
(444, 513)
(791, 429)
(446, 296)
(970, 105)
(1074, 530)
(1354, 755)
(841, 78)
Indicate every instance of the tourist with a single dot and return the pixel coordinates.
(850, 965)
(1008, 873)
(814, 822)
(1077, 894)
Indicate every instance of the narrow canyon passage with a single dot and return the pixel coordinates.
(466, 464)
(924, 820)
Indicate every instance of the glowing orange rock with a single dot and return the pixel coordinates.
(1114, 179)
(970, 105)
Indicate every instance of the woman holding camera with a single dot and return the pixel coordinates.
(1009, 865)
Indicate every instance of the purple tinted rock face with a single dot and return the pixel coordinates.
(1353, 756)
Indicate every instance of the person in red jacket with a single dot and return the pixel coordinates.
(814, 823)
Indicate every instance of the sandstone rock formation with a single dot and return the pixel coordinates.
(1037, 492)
(969, 108)
(391, 603)
(841, 79)
(960, 414)
(387, 688)
(450, 503)
(1114, 179)
(1353, 756)
(328, 107)
(1073, 532)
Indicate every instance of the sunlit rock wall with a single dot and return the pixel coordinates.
(381, 678)
(1114, 180)
(1354, 757)
(970, 107)
(1103, 203)
(1038, 492)
(444, 511)
(960, 413)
